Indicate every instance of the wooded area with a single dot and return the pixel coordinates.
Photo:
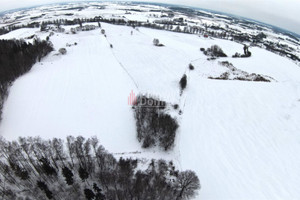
(16, 58)
(33, 168)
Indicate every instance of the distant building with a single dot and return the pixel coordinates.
(88, 28)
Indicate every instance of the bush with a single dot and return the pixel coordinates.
(155, 42)
(202, 49)
(191, 67)
(214, 51)
(183, 82)
(246, 55)
(236, 55)
(62, 51)
(217, 51)
(176, 106)
(260, 78)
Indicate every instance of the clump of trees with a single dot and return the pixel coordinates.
(154, 126)
(214, 51)
(246, 54)
(16, 58)
(33, 168)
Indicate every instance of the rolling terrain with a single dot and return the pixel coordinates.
(240, 137)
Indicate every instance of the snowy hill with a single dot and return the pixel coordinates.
(241, 137)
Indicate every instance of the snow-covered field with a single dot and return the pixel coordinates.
(242, 138)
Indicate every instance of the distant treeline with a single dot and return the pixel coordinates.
(13, 27)
(16, 58)
(178, 25)
(33, 168)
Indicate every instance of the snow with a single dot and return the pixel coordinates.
(265, 62)
(241, 138)
(20, 33)
(84, 93)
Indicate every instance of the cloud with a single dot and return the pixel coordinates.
(282, 13)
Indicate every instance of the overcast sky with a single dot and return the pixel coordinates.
(282, 13)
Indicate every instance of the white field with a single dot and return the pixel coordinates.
(241, 138)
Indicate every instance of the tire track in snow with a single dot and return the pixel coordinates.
(182, 98)
(122, 66)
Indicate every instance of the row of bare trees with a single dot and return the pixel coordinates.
(33, 168)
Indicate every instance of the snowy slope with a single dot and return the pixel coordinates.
(241, 138)
(84, 92)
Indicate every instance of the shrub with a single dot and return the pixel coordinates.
(155, 42)
(236, 55)
(183, 82)
(214, 51)
(260, 78)
(246, 55)
(191, 67)
(217, 51)
(62, 51)
(176, 106)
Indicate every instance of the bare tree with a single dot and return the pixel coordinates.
(155, 42)
(187, 184)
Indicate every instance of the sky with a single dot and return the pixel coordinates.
(282, 13)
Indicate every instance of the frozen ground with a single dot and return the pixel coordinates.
(241, 138)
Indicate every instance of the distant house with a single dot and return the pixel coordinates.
(88, 27)
(60, 30)
(180, 20)
(78, 28)
(73, 30)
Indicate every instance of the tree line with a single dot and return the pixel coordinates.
(16, 58)
(34, 168)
